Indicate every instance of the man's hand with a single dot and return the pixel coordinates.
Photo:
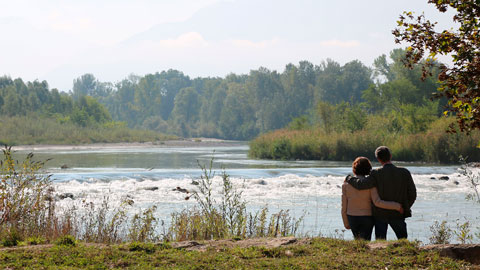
(347, 227)
(401, 210)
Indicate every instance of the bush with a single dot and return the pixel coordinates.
(11, 238)
(140, 246)
(34, 240)
(441, 233)
(66, 240)
(27, 203)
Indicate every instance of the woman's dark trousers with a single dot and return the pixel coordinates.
(361, 226)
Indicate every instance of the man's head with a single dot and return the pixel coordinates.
(382, 153)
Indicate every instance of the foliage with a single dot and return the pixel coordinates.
(234, 107)
(430, 145)
(473, 177)
(20, 99)
(35, 240)
(33, 129)
(227, 218)
(141, 246)
(317, 253)
(463, 232)
(441, 233)
(143, 226)
(66, 240)
(25, 197)
(338, 98)
(460, 81)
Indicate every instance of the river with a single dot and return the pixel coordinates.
(312, 189)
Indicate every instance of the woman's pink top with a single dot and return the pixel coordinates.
(359, 202)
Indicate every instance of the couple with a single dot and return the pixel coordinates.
(379, 197)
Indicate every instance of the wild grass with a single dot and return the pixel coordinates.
(433, 145)
(26, 201)
(26, 130)
(30, 213)
(228, 218)
(319, 253)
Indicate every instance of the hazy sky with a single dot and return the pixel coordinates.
(59, 40)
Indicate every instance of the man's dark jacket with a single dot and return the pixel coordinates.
(393, 184)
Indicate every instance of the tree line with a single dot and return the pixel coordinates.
(244, 106)
(18, 98)
(329, 95)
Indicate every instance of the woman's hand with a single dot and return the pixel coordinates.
(401, 210)
(347, 227)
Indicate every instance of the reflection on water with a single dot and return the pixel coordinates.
(310, 188)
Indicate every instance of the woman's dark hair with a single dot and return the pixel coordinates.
(361, 166)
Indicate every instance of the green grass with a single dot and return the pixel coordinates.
(26, 130)
(433, 145)
(321, 253)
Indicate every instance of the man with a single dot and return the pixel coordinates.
(393, 184)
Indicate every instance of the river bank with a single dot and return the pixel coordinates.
(277, 253)
(193, 142)
(433, 146)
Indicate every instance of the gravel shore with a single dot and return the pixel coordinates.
(196, 142)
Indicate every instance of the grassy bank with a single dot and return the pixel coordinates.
(319, 253)
(433, 145)
(26, 130)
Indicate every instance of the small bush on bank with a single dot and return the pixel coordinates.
(67, 240)
(141, 246)
(35, 240)
(10, 238)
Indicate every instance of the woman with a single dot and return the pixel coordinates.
(357, 204)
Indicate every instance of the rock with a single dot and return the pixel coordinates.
(151, 188)
(260, 182)
(288, 253)
(467, 252)
(185, 244)
(64, 166)
(195, 183)
(433, 178)
(456, 182)
(179, 189)
(65, 195)
(445, 178)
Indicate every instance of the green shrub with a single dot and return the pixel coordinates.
(35, 240)
(67, 240)
(441, 233)
(11, 238)
(27, 201)
(140, 246)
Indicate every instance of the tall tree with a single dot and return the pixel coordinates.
(85, 85)
(460, 82)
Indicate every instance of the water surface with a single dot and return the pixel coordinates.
(311, 189)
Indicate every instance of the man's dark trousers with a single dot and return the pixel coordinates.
(398, 225)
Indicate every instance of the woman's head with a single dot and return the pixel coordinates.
(361, 166)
